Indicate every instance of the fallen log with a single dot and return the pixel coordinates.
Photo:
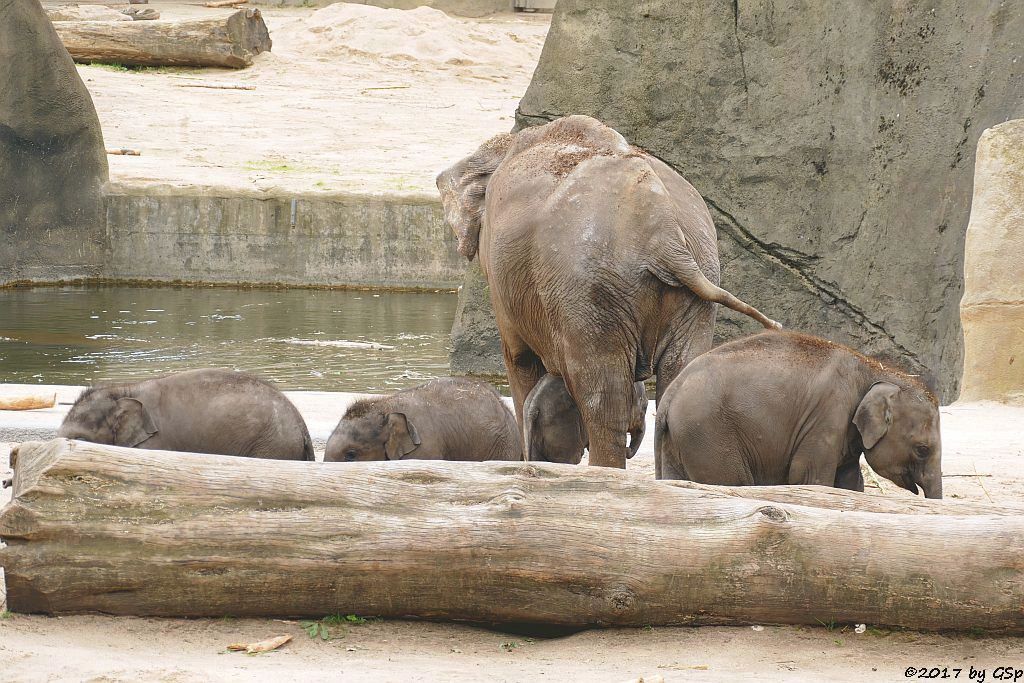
(230, 41)
(86, 13)
(141, 13)
(32, 402)
(104, 529)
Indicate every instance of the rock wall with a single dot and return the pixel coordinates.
(832, 140)
(476, 343)
(992, 309)
(52, 161)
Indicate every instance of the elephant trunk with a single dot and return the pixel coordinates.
(931, 484)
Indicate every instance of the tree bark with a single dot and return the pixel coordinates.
(96, 528)
(230, 41)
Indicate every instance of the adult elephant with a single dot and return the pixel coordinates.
(602, 264)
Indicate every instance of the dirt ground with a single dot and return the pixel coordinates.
(355, 99)
(983, 447)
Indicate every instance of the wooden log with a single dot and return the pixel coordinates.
(134, 532)
(230, 41)
(31, 402)
(141, 13)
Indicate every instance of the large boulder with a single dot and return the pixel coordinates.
(476, 344)
(992, 310)
(832, 140)
(52, 162)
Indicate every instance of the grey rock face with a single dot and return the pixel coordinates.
(52, 161)
(834, 142)
(476, 344)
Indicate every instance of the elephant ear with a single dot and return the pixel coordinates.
(402, 436)
(132, 423)
(874, 414)
(463, 188)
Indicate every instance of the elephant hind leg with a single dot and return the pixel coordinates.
(605, 395)
(694, 334)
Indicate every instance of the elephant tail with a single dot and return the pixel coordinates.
(675, 265)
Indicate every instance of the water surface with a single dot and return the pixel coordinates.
(299, 339)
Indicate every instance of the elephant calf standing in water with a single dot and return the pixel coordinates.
(781, 408)
(602, 264)
(445, 419)
(554, 427)
(199, 411)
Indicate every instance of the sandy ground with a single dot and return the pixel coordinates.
(350, 98)
(983, 459)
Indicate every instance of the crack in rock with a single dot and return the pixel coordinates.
(739, 45)
(768, 252)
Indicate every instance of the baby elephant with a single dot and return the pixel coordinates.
(554, 428)
(200, 411)
(784, 408)
(445, 419)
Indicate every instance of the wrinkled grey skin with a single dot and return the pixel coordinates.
(554, 429)
(452, 418)
(602, 264)
(781, 408)
(199, 411)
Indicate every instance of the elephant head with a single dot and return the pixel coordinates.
(899, 429)
(370, 432)
(553, 426)
(101, 415)
(463, 189)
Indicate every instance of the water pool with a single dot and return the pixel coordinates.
(299, 339)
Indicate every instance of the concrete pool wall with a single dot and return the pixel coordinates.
(206, 234)
(235, 236)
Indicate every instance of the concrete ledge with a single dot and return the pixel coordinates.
(232, 235)
(463, 8)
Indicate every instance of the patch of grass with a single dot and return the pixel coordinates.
(400, 183)
(266, 165)
(134, 68)
(6, 614)
(510, 645)
(343, 619)
(317, 629)
(114, 66)
(331, 626)
(829, 625)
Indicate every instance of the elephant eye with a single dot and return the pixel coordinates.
(350, 455)
(922, 451)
